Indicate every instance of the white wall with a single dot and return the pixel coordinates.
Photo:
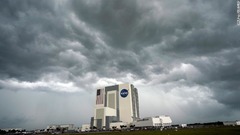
(109, 111)
(125, 104)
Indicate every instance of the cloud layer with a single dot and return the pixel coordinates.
(184, 55)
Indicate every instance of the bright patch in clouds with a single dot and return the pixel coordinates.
(16, 85)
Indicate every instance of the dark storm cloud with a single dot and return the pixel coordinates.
(32, 42)
(117, 19)
(219, 71)
(20, 28)
(176, 48)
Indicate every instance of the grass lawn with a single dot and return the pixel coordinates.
(194, 131)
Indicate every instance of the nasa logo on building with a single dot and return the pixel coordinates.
(124, 93)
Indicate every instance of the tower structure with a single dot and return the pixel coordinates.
(117, 103)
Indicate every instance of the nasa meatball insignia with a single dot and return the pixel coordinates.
(124, 93)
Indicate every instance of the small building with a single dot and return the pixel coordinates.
(147, 122)
(153, 122)
(229, 123)
(68, 127)
(62, 128)
(238, 122)
(85, 128)
(165, 120)
(183, 125)
(52, 127)
(118, 125)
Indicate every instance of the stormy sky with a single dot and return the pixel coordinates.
(182, 55)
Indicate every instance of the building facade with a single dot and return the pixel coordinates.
(117, 103)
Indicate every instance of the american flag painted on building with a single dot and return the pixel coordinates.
(99, 99)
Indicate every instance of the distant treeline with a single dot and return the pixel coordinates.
(2, 132)
(218, 123)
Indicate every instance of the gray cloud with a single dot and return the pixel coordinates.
(179, 51)
(12, 121)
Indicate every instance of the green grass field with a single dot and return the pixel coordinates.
(194, 131)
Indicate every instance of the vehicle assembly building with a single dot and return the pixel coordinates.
(118, 103)
(118, 106)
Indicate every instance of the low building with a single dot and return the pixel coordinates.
(166, 121)
(147, 122)
(62, 128)
(229, 123)
(153, 122)
(238, 122)
(183, 125)
(118, 125)
(85, 128)
(68, 127)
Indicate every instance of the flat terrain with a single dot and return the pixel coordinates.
(192, 131)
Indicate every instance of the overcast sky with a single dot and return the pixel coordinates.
(182, 55)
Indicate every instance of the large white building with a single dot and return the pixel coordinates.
(117, 103)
